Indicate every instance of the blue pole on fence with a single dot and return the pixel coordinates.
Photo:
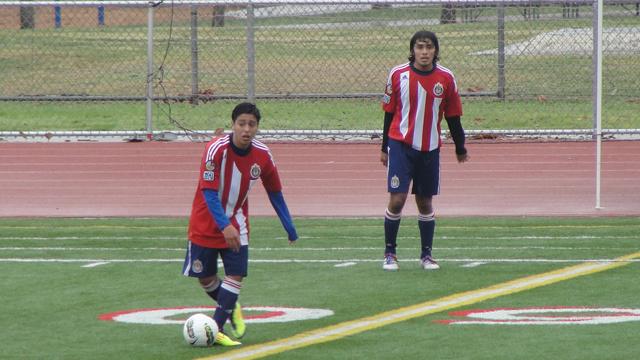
(58, 16)
(100, 15)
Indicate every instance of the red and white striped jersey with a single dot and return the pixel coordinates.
(419, 100)
(232, 175)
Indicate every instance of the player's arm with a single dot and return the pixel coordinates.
(388, 117)
(231, 235)
(280, 206)
(457, 134)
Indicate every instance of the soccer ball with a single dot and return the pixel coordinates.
(200, 330)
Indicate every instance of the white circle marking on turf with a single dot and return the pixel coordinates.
(269, 314)
(546, 316)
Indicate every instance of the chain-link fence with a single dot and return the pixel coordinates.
(84, 65)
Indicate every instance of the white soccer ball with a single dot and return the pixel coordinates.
(200, 330)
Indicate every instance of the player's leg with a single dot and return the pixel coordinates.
(235, 267)
(426, 185)
(202, 263)
(398, 180)
(211, 285)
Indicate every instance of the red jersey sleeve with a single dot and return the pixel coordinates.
(453, 105)
(389, 98)
(210, 165)
(270, 177)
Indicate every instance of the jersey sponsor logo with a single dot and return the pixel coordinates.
(395, 182)
(207, 176)
(209, 165)
(255, 171)
(438, 89)
(197, 266)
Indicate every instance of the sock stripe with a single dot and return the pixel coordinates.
(212, 285)
(232, 286)
(427, 217)
(391, 216)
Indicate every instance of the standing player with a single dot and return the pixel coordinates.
(219, 223)
(418, 94)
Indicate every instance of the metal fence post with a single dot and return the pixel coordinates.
(150, 74)
(501, 55)
(194, 55)
(251, 56)
(57, 10)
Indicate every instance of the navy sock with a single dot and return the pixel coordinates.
(227, 298)
(427, 225)
(391, 226)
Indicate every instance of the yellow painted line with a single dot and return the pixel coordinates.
(352, 327)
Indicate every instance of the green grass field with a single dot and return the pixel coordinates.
(52, 300)
(349, 114)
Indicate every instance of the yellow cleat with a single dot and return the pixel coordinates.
(224, 340)
(238, 328)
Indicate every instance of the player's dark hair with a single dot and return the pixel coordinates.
(245, 108)
(423, 35)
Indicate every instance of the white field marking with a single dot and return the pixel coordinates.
(64, 248)
(341, 330)
(93, 238)
(110, 238)
(345, 264)
(162, 316)
(346, 226)
(473, 264)
(445, 237)
(442, 248)
(310, 261)
(546, 316)
(301, 249)
(95, 264)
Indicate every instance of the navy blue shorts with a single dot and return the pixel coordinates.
(406, 164)
(202, 262)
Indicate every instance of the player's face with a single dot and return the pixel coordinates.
(424, 51)
(244, 130)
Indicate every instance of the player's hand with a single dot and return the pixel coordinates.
(462, 157)
(293, 236)
(232, 237)
(384, 158)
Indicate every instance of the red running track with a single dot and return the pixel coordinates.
(158, 179)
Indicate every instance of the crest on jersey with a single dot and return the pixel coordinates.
(197, 266)
(209, 165)
(207, 176)
(395, 182)
(255, 171)
(438, 89)
(386, 99)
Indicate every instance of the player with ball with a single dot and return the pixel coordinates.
(219, 222)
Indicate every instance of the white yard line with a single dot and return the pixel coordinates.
(306, 249)
(310, 261)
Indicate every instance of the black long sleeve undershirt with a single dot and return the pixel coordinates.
(457, 134)
(385, 131)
